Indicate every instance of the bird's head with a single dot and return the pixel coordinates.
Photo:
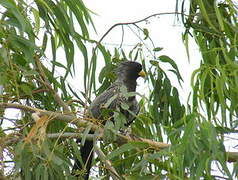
(129, 71)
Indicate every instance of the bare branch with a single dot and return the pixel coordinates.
(70, 135)
(136, 22)
(88, 89)
(80, 122)
(108, 163)
(20, 106)
(83, 122)
(232, 156)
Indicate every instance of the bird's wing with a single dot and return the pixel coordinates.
(111, 99)
(100, 101)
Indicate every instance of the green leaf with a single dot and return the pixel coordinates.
(119, 120)
(39, 171)
(11, 6)
(53, 50)
(123, 89)
(44, 44)
(45, 175)
(85, 133)
(77, 7)
(127, 147)
(26, 89)
(108, 103)
(154, 63)
(109, 135)
(167, 59)
(157, 49)
(30, 73)
(59, 64)
(76, 151)
(3, 55)
(186, 43)
(124, 106)
(106, 54)
(138, 176)
(146, 33)
(25, 45)
(219, 16)
(37, 20)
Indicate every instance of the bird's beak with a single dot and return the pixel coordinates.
(142, 74)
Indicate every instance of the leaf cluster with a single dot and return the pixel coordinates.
(34, 79)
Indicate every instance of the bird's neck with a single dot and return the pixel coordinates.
(130, 84)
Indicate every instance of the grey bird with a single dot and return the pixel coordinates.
(127, 74)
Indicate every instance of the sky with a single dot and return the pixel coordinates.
(164, 30)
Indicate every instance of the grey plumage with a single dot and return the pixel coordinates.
(127, 73)
(113, 98)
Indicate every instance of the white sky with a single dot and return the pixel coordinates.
(165, 32)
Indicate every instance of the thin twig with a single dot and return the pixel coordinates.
(122, 36)
(108, 163)
(20, 106)
(70, 135)
(46, 82)
(81, 122)
(88, 89)
(136, 22)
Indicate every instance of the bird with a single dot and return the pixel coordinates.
(127, 74)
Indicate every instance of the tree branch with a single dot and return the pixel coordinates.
(20, 106)
(88, 89)
(79, 122)
(231, 156)
(46, 82)
(108, 163)
(70, 135)
(83, 122)
(136, 22)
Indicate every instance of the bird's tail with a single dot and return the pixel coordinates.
(87, 155)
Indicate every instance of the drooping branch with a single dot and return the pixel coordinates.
(108, 163)
(98, 43)
(70, 135)
(81, 122)
(45, 82)
(136, 22)
(232, 156)
(84, 121)
(21, 107)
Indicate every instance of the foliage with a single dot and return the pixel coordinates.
(214, 83)
(34, 35)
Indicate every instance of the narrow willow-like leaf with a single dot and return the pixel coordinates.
(44, 43)
(167, 59)
(219, 16)
(186, 43)
(126, 147)
(105, 53)
(37, 20)
(10, 5)
(205, 14)
(77, 8)
(158, 49)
